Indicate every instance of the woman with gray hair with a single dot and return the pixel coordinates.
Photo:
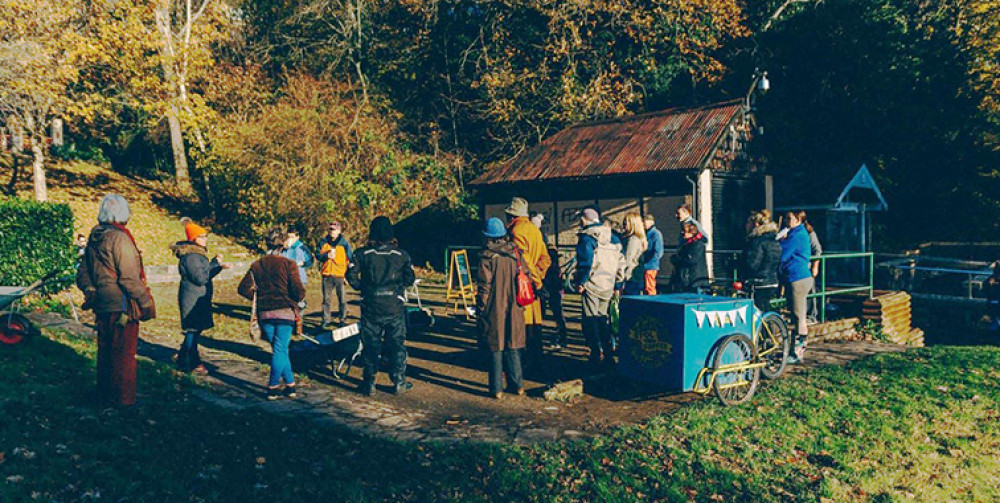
(114, 286)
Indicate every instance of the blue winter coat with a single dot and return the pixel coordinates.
(795, 253)
(654, 253)
(585, 247)
(299, 253)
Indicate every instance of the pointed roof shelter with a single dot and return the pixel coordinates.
(862, 181)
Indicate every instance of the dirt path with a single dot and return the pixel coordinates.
(449, 401)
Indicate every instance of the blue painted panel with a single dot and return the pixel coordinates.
(668, 339)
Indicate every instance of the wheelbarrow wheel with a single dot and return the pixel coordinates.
(774, 345)
(14, 328)
(735, 375)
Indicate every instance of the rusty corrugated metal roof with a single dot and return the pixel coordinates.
(669, 140)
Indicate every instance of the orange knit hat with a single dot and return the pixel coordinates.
(192, 230)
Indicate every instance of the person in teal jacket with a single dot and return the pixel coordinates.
(296, 251)
(796, 276)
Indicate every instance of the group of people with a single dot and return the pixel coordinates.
(380, 271)
(778, 259)
(612, 262)
(519, 271)
(112, 279)
(517, 257)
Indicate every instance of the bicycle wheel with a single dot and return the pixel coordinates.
(773, 345)
(735, 381)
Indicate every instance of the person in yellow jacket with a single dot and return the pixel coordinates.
(334, 256)
(528, 239)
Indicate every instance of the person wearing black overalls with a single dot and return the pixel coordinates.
(381, 271)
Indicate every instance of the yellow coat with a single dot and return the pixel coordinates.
(528, 239)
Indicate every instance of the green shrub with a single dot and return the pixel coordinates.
(317, 155)
(35, 239)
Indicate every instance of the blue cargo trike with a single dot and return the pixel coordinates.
(701, 343)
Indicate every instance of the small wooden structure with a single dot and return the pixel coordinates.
(704, 156)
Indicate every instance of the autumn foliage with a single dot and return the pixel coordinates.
(315, 155)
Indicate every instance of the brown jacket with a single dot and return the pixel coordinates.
(501, 320)
(536, 257)
(110, 269)
(277, 283)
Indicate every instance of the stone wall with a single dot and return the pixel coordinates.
(169, 273)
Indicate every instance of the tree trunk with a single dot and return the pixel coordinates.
(180, 156)
(15, 172)
(38, 170)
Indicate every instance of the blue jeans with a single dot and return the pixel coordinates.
(188, 357)
(279, 335)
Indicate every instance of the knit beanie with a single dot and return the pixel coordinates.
(192, 230)
(381, 230)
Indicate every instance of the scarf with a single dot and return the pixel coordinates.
(697, 237)
(142, 269)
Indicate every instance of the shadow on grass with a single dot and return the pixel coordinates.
(172, 447)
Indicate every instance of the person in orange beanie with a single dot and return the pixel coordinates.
(195, 293)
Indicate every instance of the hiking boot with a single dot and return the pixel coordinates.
(367, 389)
(498, 395)
(402, 387)
(290, 392)
(520, 391)
(273, 394)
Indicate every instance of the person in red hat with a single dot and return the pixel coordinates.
(194, 296)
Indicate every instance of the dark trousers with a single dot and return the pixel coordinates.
(188, 357)
(533, 343)
(762, 296)
(507, 361)
(116, 346)
(389, 330)
(554, 302)
(331, 283)
(597, 333)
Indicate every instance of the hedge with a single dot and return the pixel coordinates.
(35, 239)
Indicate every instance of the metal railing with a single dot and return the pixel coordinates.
(822, 292)
(919, 277)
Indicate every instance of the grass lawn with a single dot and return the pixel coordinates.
(156, 207)
(921, 425)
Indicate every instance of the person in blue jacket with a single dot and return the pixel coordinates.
(296, 251)
(796, 277)
(653, 255)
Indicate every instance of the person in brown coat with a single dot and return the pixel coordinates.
(500, 318)
(111, 276)
(276, 281)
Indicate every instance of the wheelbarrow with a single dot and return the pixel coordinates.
(14, 327)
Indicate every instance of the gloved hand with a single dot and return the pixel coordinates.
(542, 293)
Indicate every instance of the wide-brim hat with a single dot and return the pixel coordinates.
(518, 207)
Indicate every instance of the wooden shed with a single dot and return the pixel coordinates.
(704, 156)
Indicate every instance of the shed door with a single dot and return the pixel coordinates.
(732, 201)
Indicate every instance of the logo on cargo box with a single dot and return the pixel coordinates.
(651, 341)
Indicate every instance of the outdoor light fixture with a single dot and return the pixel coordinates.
(763, 85)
